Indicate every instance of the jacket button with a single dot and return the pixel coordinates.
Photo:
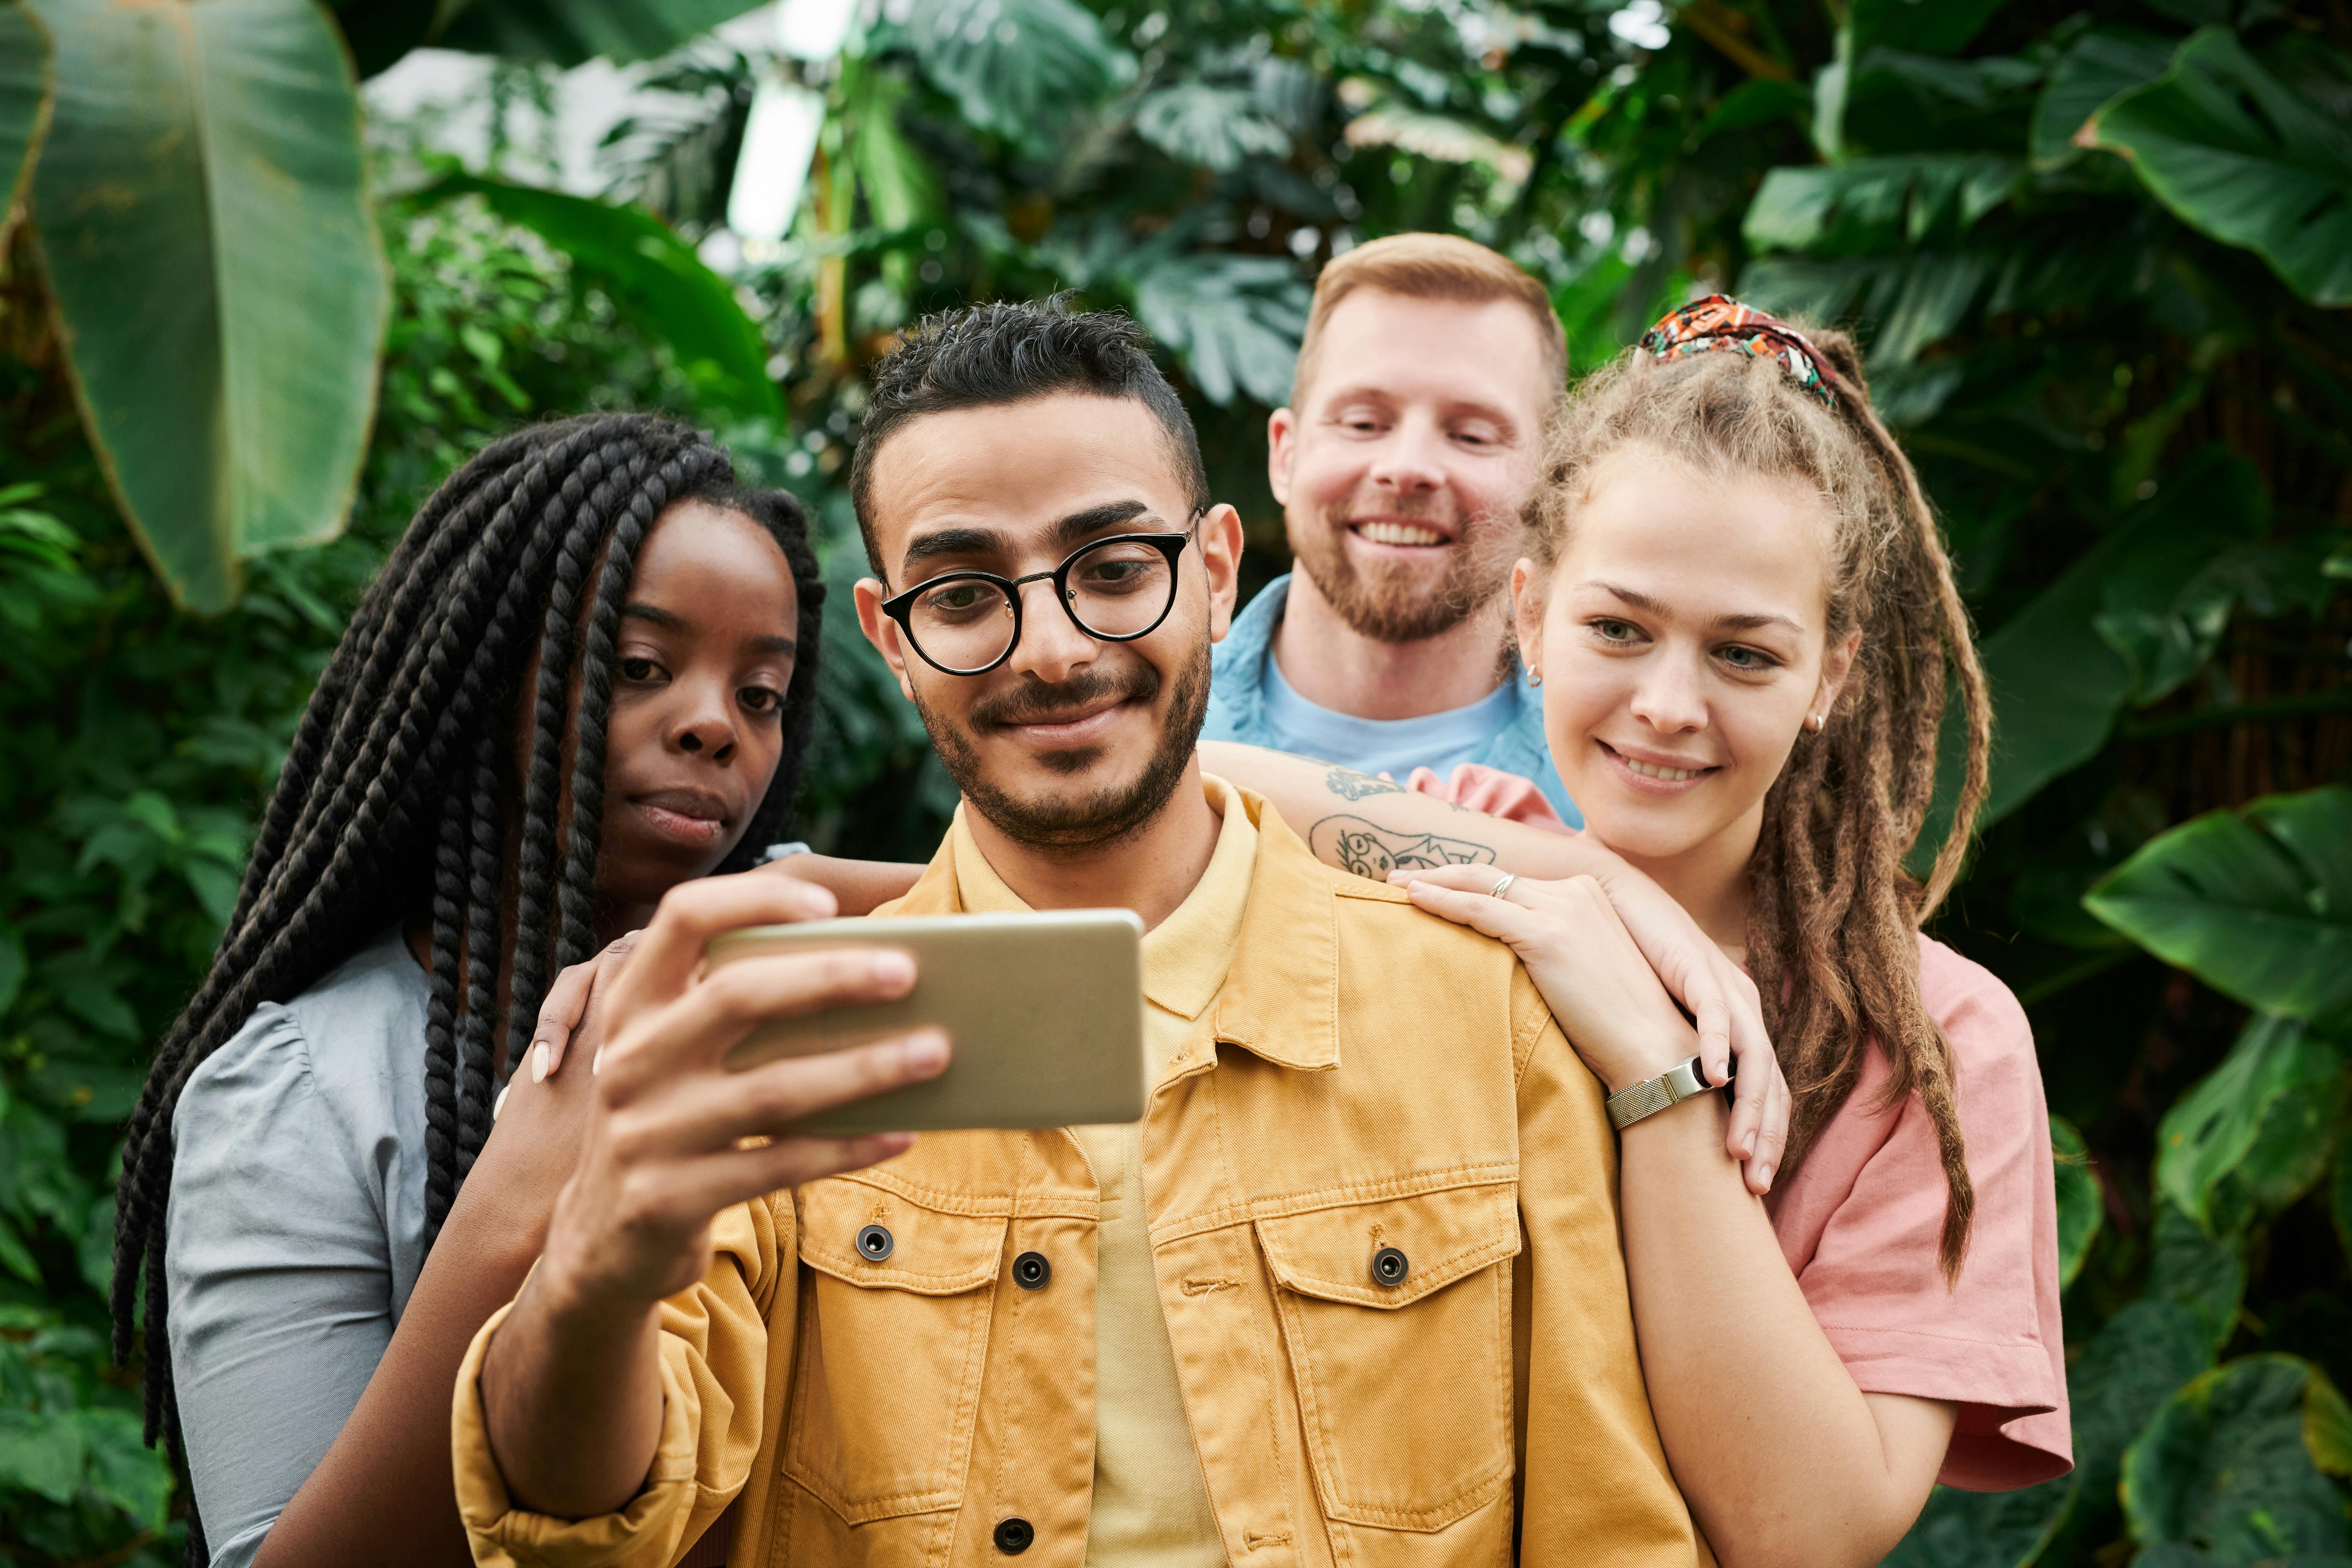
(1030, 1272)
(1390, 1267)
(1013, 1536)
(874, 1243)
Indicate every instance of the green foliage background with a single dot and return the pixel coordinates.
(2097, 255)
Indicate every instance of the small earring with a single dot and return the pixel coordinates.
(1535, 678)
(1814, 722)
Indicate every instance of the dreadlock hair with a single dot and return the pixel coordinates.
(394, 801)
(1833, 915)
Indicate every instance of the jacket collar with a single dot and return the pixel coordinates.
(1280, 998)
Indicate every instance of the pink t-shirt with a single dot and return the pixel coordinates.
(1861, 1220)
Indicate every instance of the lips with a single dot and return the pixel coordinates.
(685, 816)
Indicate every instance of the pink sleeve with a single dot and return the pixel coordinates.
(1990, 1341)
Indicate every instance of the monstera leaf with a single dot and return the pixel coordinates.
(1018, 66)
(1215, 127)
(2240, 156)
(2236, 1465)
(215, 271)
(655, 277)
(1236, 321)
(2257, 905)
(2255, 1134)
(24, 101)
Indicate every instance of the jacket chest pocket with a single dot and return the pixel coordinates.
(1397, 1318)
(894, 1316)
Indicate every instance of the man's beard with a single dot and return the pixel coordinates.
(1390, 604)
(1109, 813)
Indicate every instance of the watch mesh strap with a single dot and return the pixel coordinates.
(1680, 1082)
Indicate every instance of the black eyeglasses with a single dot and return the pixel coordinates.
(1116, 589)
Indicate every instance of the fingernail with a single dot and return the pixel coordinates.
(1748, 1145)
(1765, 1175)
(893, 968)
(539, 1062)
(927, 1052)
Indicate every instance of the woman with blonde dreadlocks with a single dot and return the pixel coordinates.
(1743, 621)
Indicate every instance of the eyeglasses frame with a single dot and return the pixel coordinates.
(900, 606)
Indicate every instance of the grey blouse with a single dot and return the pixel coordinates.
(295, 1232)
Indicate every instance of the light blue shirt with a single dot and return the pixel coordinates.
(294, 1233)
(1250, 701)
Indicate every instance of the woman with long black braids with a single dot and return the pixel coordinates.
(585, 676)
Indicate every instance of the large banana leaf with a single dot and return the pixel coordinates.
(2255, 1134)
(2233, 1464)
(1872, 206)
(570, 31)
(215, 271)
(2242, 156)
(2258, 906)
(2101, 64)
(24, 101)
(1018, 68)
(655, 278)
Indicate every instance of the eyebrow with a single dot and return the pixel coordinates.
(1745, 623)
(1067, 532)
(671, 621)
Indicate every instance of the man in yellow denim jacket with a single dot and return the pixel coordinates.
(1352, 1292)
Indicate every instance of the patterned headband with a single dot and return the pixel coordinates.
(1719, 321)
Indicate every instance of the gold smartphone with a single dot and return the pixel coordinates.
(1044, 1012)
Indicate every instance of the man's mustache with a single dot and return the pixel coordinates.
(1035, 701)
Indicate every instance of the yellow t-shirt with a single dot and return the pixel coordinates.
(1150, 1506)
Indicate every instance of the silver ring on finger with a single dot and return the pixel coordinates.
(1502, 884)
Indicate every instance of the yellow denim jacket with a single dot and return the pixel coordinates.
(1367, 1077)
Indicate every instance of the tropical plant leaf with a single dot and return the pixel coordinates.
(1982, 1530)
(40, 1452)
(2082, 1207)
(1440, 136)
(2225, 1466)
(2098, 66)
(2255, 1134)
(1216, 127)
(1236, 321)
(2203, 1273)
(216, 270)
(1905, 302)
(2165, 601)
(1871, 205)
(654, 276)
(2257, 905)
(568, 32)
(124, 1470)
(1926, 26)
(24, 102)
(1018, 68)
(2057, 684)
(2240, 156)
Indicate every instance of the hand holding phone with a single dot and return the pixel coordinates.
(1045, 1011)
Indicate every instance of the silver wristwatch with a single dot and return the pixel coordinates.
(1652, 1095)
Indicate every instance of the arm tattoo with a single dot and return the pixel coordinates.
(1370, 850)
(1354, 786)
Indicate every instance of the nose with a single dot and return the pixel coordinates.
(1052, 645)
(1409, 462)
(704, 722)
(1670, 696)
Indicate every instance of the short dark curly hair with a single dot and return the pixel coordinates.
(1009, 351)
